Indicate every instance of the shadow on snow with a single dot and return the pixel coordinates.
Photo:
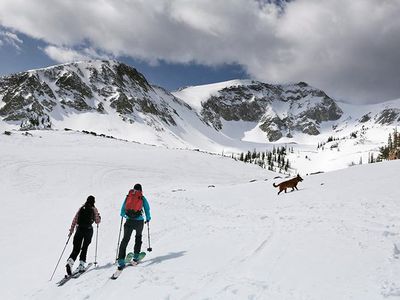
(160, 259)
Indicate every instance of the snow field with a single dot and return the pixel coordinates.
(335, 238)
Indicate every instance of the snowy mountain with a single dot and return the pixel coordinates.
(218, 231)
(279, 110)
(106, 97)
(109, 98)
(285, 113)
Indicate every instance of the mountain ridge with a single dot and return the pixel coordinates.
(111, 97)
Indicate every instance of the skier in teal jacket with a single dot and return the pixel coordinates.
(146, 208)
(133, 223)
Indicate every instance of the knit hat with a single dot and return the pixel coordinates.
(90, 200)
(138, 187)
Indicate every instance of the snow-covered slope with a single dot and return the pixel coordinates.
(106, 97)
(296, 115)
(257, 112)
(113, 99)
(214, 234)
(278, 110)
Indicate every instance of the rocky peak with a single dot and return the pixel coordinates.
(304, 107)
(29, 98)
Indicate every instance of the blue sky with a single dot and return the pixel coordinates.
(349, 49)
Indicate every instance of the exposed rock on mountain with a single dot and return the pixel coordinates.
(279, 109)
(34, 98)
(108, 96)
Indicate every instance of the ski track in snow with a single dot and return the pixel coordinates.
(335, 238)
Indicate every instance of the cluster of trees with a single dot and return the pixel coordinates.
(353, 135)
(274, 160)
(371, 159)
(334, 144)
(330, 139)
(392, 149)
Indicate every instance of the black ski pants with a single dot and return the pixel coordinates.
(82, 240)
(129, 226)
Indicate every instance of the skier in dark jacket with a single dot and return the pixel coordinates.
(133, 223)
(84, 218)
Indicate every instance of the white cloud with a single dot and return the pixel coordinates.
(9, 38)
(349, 48)
(64, 55)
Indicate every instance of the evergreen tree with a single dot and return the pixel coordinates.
(371, 159)
(254, 155)
(384, 153)
(395, 138)
(269, 158)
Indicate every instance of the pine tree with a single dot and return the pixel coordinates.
(395, 138)
(398, 140)
(254, 154)
(371, 160)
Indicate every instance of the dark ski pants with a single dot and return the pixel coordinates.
(129, 226)
(82, 240)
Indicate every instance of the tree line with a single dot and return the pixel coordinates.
(274, 160)
(392, 149)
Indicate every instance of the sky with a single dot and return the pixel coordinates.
(347, 48)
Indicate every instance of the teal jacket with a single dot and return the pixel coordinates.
(146, 208)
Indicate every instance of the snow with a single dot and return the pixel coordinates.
(195, 95)
(214, 233)
(191, 132)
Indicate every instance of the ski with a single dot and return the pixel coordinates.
(80, 273)
(66, 278)
(118, 272)
(129, 262)
(74, 274)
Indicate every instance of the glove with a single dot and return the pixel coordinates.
(71, 231)
(147, 221)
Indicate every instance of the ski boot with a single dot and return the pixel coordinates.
(69, 265)
(121, 264)
(81, 267)
(136, 257)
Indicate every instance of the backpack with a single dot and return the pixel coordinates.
(86, 216)
(134, 204)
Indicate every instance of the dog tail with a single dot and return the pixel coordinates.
(275, 185)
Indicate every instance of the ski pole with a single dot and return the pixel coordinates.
(119, 238)
(148, 237)
(97, 237)
(60, 257)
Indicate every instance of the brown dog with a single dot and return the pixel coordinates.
(292, 183)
